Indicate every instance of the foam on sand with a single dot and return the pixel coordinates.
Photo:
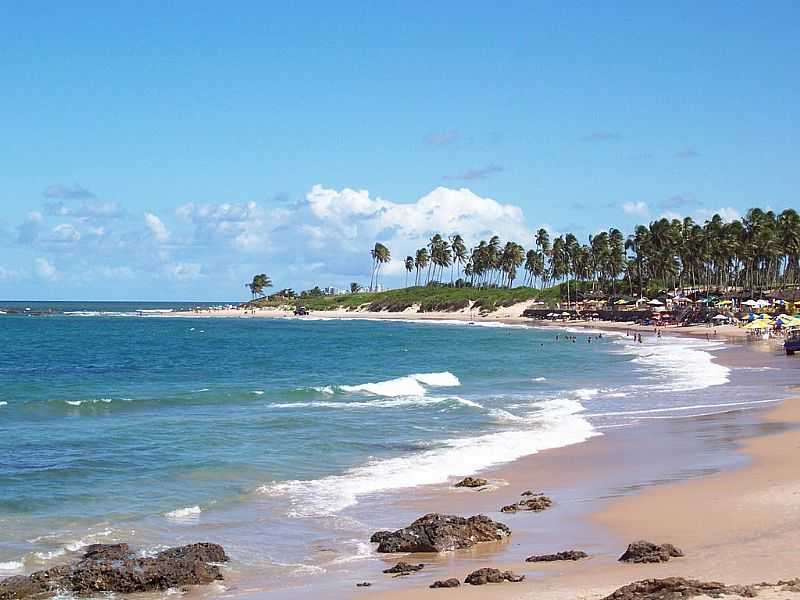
(557, 423)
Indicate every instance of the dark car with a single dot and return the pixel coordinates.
(300, 311)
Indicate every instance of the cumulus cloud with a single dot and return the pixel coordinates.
(46, 270)
(67, 192)
(728, 214)
(156, 226)
(244, 226)
(442, 138)
(639, 209)
(64, 233)
(472, 174)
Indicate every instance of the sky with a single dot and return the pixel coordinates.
(169, 151)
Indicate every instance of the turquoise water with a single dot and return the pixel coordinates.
(280, 436)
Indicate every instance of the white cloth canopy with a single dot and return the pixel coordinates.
(750, 303)
(721, 318)
(655, 302)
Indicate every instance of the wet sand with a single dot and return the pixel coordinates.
(737, 520)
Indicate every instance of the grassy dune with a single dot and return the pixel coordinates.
(429, 299)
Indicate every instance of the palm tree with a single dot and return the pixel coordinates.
(459, 254)
(380, 256)
(409, 265)
(259, 283)
(421, 260)
(354, 288)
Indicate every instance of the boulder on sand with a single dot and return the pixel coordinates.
(565, 555)
(446, 583)
(484, 576)
(404, 568)
(113, 568)
(672, 588)
(532, 502)
(472, 482)
(435, 532)
(648, 552)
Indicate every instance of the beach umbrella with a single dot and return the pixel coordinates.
(621, 301)
(655, 302)
(762, 303)
(565, 314)
(750, 303)
(720, 318)
(724, 302)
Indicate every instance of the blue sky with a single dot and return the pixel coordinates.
(167, 152)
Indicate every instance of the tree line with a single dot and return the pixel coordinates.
(759, 251)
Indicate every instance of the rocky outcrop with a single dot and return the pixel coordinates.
(472, 482)
(364, 584)
(446, 583)
(113, 568)
(440, 533)
(565, 555)
(648, 552)
(530, 501)
(404, 568)
(379, 536)
(678, 588)
(484, 576)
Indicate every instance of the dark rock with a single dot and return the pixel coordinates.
(404, 568)
(446, 583)
(472, 482)
(439, 533)
(648, 552)
(106, 552)
(678, 588)
(532, 502)
(792, 585)
(566, 555)
(531, 493)
(112, 568)
(363, 584)
(379, 536)
(536, 503)
(484, 576)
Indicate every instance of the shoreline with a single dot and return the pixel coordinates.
(748, 513)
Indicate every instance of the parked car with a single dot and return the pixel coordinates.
(300, 311)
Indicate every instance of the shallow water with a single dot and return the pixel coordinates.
(281, 438)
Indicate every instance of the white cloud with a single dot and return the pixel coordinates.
(727, 213)
(65, 233)
(639, 209)
(183, 271)
(245, 227)
(156, 227)
(10, 274)
(86, 210)
(46, 270)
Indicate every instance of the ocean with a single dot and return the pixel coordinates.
(283, 438)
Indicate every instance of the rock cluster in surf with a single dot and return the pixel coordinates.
(404, 568)
(471, 482)
(535, 502)
(648, 552)
(114, 568)
(435, 532)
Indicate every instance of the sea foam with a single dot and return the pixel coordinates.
(558, 423)
(410, 385)
(183, 515)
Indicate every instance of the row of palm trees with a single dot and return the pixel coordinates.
(761, 250)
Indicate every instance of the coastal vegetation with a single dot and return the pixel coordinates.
(758, 252)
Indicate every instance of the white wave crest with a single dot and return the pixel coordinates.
(410, 385)
(11, 566)
(258, 392)
(557, 424)
(680, 365)
(392, 403)
(539, 379)
(3, 403)
(184, 515)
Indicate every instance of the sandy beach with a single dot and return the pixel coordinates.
(737, 526)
